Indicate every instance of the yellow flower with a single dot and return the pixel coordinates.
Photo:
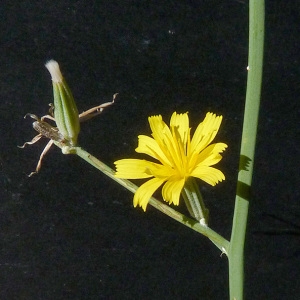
(180, 157)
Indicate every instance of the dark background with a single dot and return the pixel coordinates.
(71, 233)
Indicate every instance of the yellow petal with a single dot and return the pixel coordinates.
(180, 122)
(149, 146)
(133, 168)
(179, 125)
(205, 132)
(159, 129)
(172, 189)
(210, 155)
(145, 192)
(164, 138)
(163, 171)
(139, 169)
(208, 174)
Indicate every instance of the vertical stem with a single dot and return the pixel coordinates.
(255, 62)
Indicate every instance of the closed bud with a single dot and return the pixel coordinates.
(65, 110)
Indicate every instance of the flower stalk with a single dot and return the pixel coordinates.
(216, 238)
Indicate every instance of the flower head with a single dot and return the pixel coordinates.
(179, 157)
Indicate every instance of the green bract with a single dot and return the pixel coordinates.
(65, 110)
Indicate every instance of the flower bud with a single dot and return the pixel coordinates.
(65, 110)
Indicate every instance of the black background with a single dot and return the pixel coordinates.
(71, 233)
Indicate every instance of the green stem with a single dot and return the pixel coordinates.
(217, 239)
(236, 249)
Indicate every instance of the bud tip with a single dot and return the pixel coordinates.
(54, 70)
